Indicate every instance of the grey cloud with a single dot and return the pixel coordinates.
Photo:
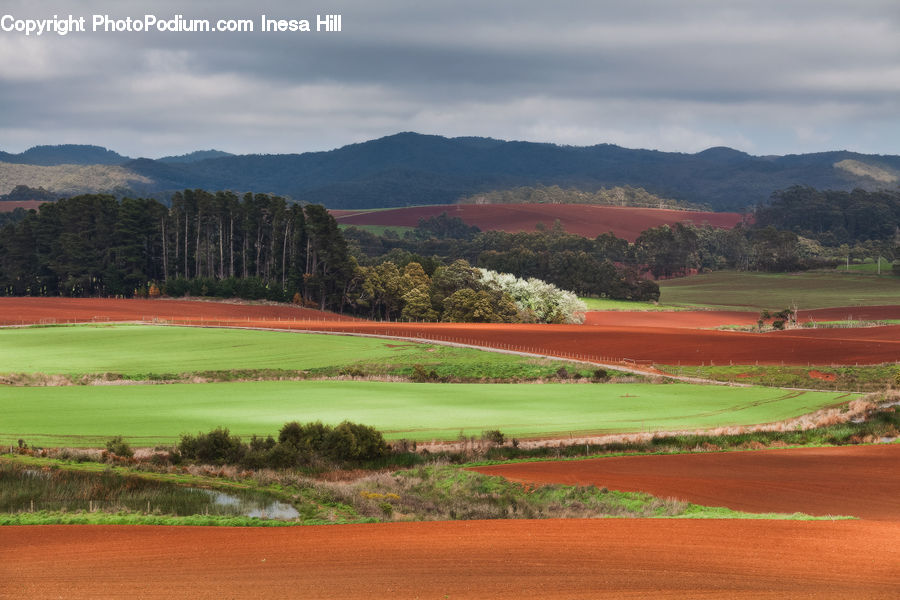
(766, 76)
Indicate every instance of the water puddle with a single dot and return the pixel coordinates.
(252, 505)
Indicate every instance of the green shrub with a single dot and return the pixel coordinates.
(119, 447)
(217, 446)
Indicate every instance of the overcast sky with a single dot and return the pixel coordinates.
(763, 76)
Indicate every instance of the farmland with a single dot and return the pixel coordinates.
(140, 352)
(160, 562)
(153, 414)
(607, 344)
(821, 481)
(758, 291)
(586, 220)
(572, 559)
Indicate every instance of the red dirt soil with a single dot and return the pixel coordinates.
(586, 220)
(11, 205)
(822, 376)
(681, 319)
(717, 318)
(475, 559)
(665, 345)
(860, 481)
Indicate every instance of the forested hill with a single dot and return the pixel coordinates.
(409, 168)
(66, 154)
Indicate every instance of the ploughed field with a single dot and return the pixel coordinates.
(611, 343)
(612, 558)
(11, 205)
(861, 481)
(586, 220)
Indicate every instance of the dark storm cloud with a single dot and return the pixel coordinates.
(761, 76)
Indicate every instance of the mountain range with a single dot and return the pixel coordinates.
(414, 169)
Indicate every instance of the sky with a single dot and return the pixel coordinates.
(762, 76)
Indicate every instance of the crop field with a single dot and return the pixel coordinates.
(500, 559)
(380, 230)
(758, 291)
(608, 343)
(856, 480)
(581, 219)
(154, 414)
(140, 352)
(136, 350)
(594, 304)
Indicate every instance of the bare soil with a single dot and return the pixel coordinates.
(475, 559)
(861, 481)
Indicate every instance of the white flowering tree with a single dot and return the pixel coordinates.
(537, 300)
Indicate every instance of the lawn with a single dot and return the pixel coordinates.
(141, 352)
(757, 291)
(157, 414)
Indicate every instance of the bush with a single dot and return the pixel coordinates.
(494, 436)
(354, 442)
(217, 446)
(421, 375)
(119, 447)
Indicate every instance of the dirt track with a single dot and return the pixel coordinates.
(586, 220)
(610, 343)
(860, 481)
(477, 559)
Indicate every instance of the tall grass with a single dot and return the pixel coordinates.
(24, 488)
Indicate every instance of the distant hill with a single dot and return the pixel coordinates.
(194, 156)
(580, 219)
(413, 169)
(66, 154)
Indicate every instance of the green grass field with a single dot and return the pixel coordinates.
(154, 414)
(757, 291)
(139, 351)
(609, 304)
(870, 268)
(380, 230)
(867, 378)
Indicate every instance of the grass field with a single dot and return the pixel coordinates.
(870, 268)
(380, 230)
(864, 378)
(140, 352)
(756, 291)
(154, 414)
(609, 304)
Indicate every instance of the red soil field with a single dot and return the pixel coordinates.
(665, 345)
(33, 310)
(716, 318)
(681, 319)
(860, 481)
(586, 220)
(847, 313)
(11, 205)
(475, 559)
